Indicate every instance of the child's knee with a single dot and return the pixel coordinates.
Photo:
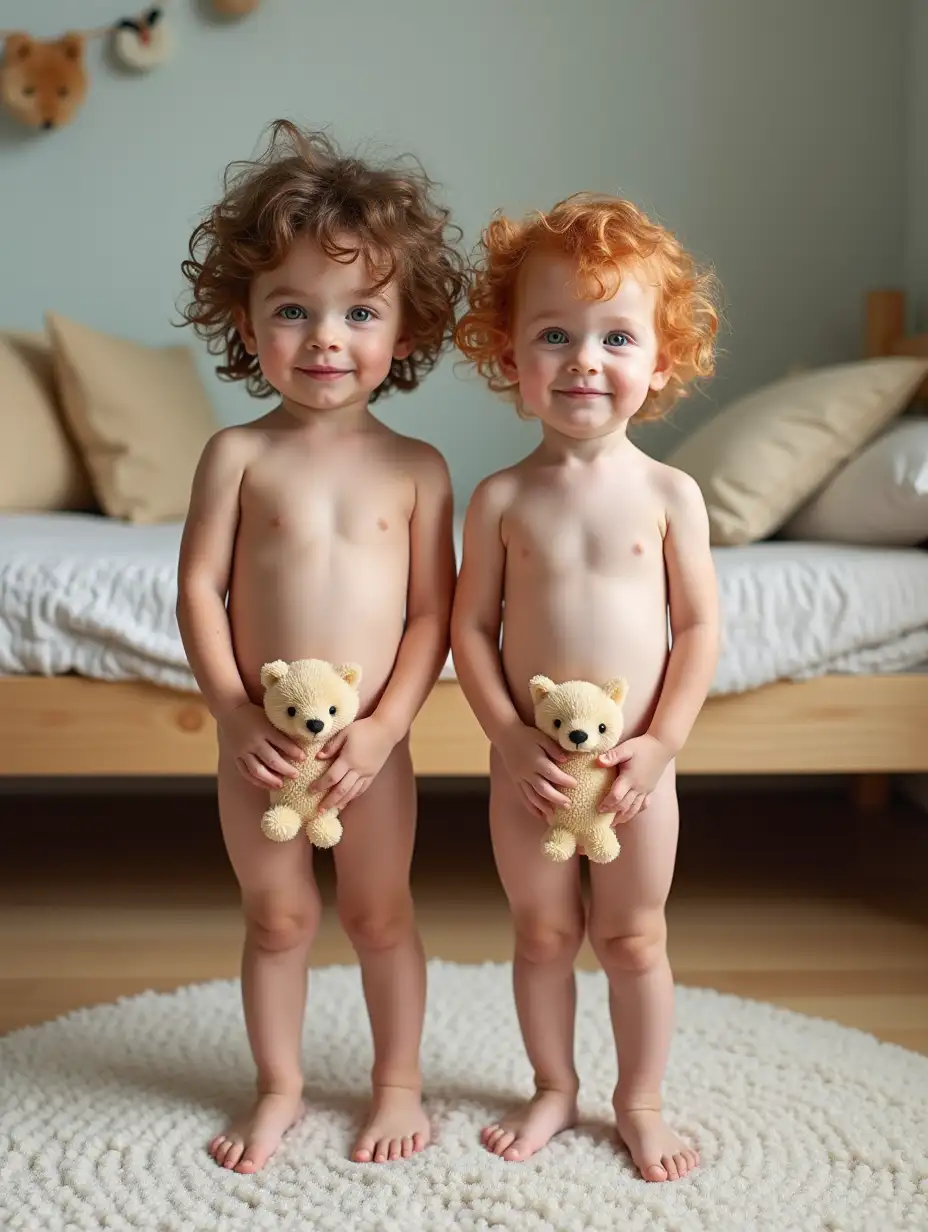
(380, 926)
(275, 926)
(636, 951)
(548, 941)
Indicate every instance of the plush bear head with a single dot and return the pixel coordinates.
(43, 83)
(309, 699)
(581, 717)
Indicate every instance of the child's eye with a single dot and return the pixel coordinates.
(555, 337)
(291, 312)
(360, 315)
(617, 339)
(602, 729)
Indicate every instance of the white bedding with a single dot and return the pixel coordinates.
(94, 596)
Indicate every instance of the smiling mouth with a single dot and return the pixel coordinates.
(324, 374)
(581, 393)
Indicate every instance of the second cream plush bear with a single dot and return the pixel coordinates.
(585, 720)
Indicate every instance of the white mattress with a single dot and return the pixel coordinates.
(89, 595)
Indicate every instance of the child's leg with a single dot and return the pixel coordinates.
(548, 919)
(281, 907)
(372, 863)
(629, 934)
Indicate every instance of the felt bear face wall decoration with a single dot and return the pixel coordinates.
(43, 84)
(235, 8)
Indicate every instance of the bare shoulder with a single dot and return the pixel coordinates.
(233, 448)
(495, 494)
(679, 492)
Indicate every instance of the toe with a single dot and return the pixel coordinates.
(407, 1147)
(693, 1158)
(669, 1164)
(395, 1149)
(233, 1154)
(654, 1172)
(246, 1165)
(419, 1142)
(682, 1163)
(503, 1142)
(381, 1150)
(363, 1152)
(487, 1132)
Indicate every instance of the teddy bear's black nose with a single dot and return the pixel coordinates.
(315, 725)
(578, 736)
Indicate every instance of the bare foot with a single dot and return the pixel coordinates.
(658, 1153)
(396, 1128)
(520, 1134)
(249, 1144)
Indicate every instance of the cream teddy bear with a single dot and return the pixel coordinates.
(309, 700)
(585, 720)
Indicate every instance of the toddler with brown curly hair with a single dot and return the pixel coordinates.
(588, 317)
(316, 531)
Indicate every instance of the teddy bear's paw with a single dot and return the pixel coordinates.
(560, 845)
(601, 846)
(325, 830)
(281, 823)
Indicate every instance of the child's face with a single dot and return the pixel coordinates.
(584, 367)
(323, 338)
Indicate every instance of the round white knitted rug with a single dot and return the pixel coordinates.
(802, 1124)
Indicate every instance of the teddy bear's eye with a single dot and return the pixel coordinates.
(291, 710)
(331, 710)
(557, 722)
(602, 728)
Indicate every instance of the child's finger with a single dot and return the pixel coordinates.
(544, 789)
(557, 776)
(340, 792)
(334, 746)
(280, 742)
(615, 757)
(277, 765)
(535, 803)
(259, 773)
(335, 773)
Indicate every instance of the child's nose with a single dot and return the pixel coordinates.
(315, 726)
(578, 736)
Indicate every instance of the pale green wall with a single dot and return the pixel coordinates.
(916, 249)
(770, 134)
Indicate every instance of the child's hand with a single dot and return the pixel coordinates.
(530, 757)
(644, 759)
(359, 752)
(264, 755)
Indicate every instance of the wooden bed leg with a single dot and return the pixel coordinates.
(870, 793)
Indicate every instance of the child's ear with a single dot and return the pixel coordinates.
(507, 365)
(246, 333)
(663, 371)
(402, 348)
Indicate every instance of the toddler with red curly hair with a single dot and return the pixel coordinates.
(576, 560)
(316, 531)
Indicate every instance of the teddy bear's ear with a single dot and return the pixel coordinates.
(540, 687)
(616, 689)
(17, 47)
(350, 673)
(272, 672)
(72, 45)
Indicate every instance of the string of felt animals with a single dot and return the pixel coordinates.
(43, 82)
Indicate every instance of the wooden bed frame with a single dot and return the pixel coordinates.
(867, 726)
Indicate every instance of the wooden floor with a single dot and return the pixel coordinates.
(786, 899)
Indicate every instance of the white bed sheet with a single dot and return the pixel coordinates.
(94, 596)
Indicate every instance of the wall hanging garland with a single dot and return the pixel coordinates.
(43, 82)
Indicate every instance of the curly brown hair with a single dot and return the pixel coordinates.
(302, 185)
(605, 235)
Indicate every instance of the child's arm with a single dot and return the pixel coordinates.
(362, 749)
(528, 754)
(203, 581)
(694, 626)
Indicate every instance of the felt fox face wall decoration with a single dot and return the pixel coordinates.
(43, 84)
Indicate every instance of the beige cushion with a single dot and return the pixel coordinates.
(763, 456)
(140, 416)
(880, 498)
(40, 468)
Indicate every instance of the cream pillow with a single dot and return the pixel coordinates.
(140, 416)
(763, 456)
(40, 468)
(879, 498)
